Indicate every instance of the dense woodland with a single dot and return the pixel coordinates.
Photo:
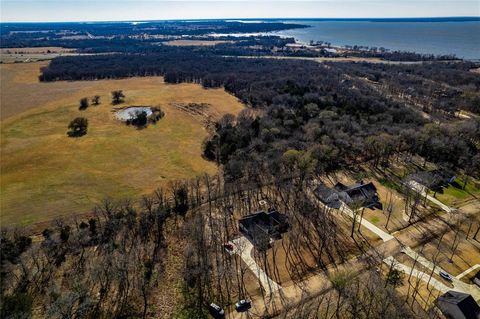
(447, 86)
(334, 114)
(101, 267)
(117, 263)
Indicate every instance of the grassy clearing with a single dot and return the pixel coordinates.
(46, 174)
(455, 193)
(33, 54)
(31, 50)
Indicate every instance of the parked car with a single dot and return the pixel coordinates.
(243, 305)
(216, 311)
(445, 275)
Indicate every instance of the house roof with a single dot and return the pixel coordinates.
(261, 224)
(369, 187)
(464, 302)
(266, 221)
(365, 194)
(341, 187)
(453, 297)
(256, 219)
(325, 193)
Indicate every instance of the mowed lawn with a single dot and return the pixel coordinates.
(45, 174)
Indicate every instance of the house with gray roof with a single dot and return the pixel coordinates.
(457, 305)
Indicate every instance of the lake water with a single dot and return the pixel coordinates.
(461, 38)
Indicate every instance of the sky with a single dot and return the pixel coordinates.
(131, 10)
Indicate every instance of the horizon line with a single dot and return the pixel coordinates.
(247, 19)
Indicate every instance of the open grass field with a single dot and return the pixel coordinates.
(46, 174)
(455, 194)
(35, 54)
(33, 50)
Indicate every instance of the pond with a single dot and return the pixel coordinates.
(130, 113)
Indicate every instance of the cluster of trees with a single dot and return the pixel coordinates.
(78, 127)
(84, 103)
(444, 86)
(105, 266)
(118, 97)
(398, 55)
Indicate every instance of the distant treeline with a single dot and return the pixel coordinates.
(240, 46)
(34, 34)
(402, 56)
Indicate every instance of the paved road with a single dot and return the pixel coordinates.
(458, 285)
(416, 273)
(466, 272)
(315, 285)
(243, 247)
(365, 223)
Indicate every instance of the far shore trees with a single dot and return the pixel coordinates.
(83, 104)
(117, 97)
(78, 127)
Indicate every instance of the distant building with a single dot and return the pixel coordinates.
(262, 227)
(457, 305)
(360, 194)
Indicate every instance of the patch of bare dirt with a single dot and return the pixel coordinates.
(201, 111)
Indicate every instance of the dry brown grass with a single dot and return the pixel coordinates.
(466, 254)
(35, 50)
(291, 259)
(46, 174)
